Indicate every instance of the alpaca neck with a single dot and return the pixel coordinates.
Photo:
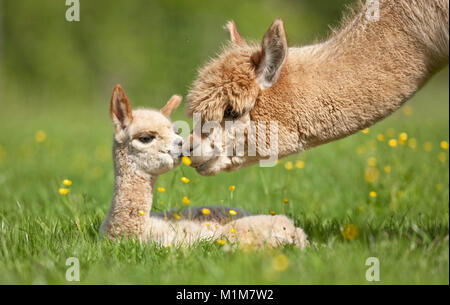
(132, 198)
(364, 72)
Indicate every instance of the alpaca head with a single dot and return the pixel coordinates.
(149, 138)
(227, 89)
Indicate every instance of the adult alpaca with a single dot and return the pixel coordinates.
(323, 92)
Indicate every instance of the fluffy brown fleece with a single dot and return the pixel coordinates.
(323, 92)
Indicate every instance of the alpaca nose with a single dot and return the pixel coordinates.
(177, 146)
(179, 142)
(187, 145)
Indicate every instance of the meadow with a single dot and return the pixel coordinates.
(380, 193)
(383, 192)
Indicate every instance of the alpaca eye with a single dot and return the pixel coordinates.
(176, 130)
(146, 139)
(230, 113)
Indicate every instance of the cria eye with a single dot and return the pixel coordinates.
(230, 113)
(176, 130)
(146, 139)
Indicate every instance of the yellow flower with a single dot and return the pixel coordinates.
(232, 212)
(428, 146)
(373, 194)
(63, 191)
(350, 232)
(387, 169)
(372, 161)
(392, 142)
(442, 157)
(272, 213)
(365, 131)
(40, 136)
(439, 186)
(67, 182)
(380, 137)
(371, 174)
(221, 242)
(280, 262)
(141, 212)
(300, 164)
(186, 160)
(412, 143)
(176, 216)
(186, 201)
(403, 136)
(231, 187)
(444, 144)
(207, 224)
(206, 211)
(185, 180)
(407, 110)
(161, 189)
(285, 200)
(232, 230)
(288, 165)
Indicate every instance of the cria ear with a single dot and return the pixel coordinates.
(235, 37)
(273, 54)
(120, 110)
(171, 105)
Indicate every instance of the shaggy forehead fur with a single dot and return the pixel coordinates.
(226, 80)
(150, 121)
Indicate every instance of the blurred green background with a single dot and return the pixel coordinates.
(56, 80)
(152, 48)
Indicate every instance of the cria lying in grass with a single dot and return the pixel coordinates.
(146, 146)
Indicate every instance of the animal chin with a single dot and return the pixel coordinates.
(176, 160)
(212, 167)
(205, 169)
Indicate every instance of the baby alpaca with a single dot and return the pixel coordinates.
(146, 146)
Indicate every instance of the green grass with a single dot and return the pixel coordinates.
(406, 226)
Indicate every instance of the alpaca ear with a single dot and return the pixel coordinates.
(235, 37)
(120, 109)
(171, 105)
(273, 54)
